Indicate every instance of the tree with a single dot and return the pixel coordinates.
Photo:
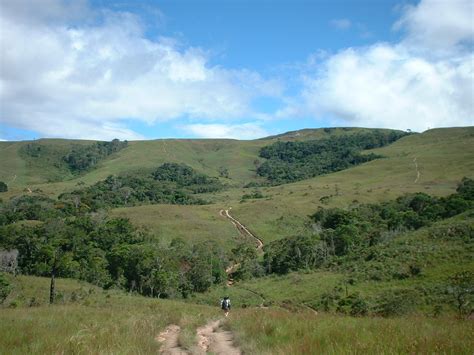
(461, 287)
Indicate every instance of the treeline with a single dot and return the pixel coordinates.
(85, 157)
(294, 161)
(77, 159)
(32, 207)
(170, 183)
(71, 238)
(369, 243)
(351, 233)
(112, 253)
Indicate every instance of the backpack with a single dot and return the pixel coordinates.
(226, 304)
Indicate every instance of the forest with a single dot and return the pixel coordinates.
(293, 161)
(170, 183)
(77, 159)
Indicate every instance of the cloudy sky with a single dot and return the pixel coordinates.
(232, 68)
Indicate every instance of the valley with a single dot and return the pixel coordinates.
(176, 214)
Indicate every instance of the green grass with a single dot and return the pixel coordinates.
(443, 156)
(99, 322)
(90, 320)
(196, 223)
(276, 331)
(114, 322)
(438, 258)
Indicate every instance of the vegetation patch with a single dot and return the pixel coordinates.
(112, 253)
(83, 158)
(65, 161)
(294, 161)
(170, 183)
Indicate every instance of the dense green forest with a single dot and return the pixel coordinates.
(77, 158)
(83, 158)
(73, 237)
(170, 183)
(113, 253)
(293, 161)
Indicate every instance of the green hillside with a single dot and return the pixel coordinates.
(89, 320)
(204, 155)
(405, 220)
(443, 157)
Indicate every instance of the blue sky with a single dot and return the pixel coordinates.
(236, 69)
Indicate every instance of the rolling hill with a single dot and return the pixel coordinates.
(408, 274)
(431, 162)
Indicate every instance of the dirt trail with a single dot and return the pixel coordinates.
(242, 229)
(169, 340)
(418, 174)
(214, 339)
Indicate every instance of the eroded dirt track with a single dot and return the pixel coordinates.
(169, 339)
(211, 338)
(215, 339)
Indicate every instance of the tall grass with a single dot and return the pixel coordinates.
(276, 331)
(97, 323)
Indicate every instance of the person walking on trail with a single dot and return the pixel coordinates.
(225, 305)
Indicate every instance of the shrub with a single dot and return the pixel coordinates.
(396, 302)
(5, 288)
(461, 287)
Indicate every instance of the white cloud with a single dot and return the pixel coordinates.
(83, 80)
(341, 24)
(398, 85)
(236, 131)
(437, 24)
(386, 86)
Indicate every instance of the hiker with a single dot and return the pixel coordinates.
(225, 305)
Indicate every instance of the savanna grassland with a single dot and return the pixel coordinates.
(373, 254)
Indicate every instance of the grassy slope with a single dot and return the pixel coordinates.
(197, 223)
(205, 155)
(443, 156)
(438, 257)
(19, 171)
(113, 322)
(96, 321)
(276, 331)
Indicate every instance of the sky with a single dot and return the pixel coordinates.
(105, 69)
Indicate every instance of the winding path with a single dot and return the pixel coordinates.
(242, 229)
(418, 174)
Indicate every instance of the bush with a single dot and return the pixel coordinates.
(461, 287)
(5, 288)
(353, 304)
(396, 302)
(3, 187)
